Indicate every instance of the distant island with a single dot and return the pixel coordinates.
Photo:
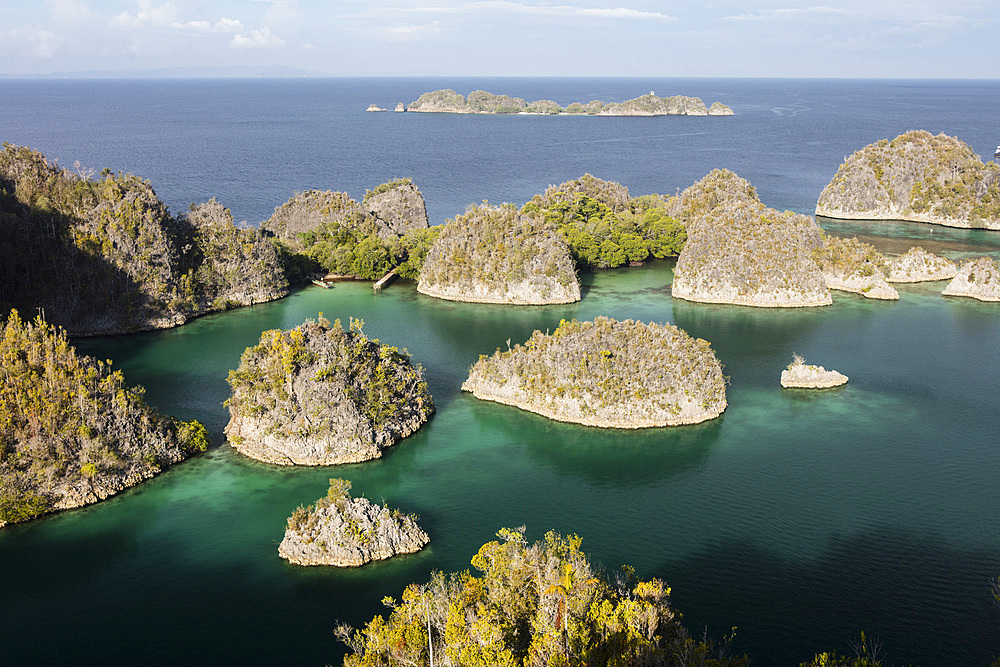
(483, 102)
(917, 177)
(606, 373)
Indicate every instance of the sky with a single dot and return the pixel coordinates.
(728, 38)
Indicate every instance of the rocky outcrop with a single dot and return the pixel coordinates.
(348, 532)
(105, 256)
(606, 373)
(498, 255)
(918, 265)
(374, 107)
(800, 375)
(851, 265)
(320, 395)
(481, 101)
(73, 433)
(308, 212)
(397, 206)
(919, 177)
(977, 279)
(738, 251)
(400, 107)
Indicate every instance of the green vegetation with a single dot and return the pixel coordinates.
(106, 256)
(850, 256)
(481, 101)
(916, 176)
(496, 254)
(620, 374)
(540, 604)
(330, 232)
(604, 227)
(71, 431)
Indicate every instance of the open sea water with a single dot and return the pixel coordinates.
(800, 518)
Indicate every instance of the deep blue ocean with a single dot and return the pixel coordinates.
(802, 519)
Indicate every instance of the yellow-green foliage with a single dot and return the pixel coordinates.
(849, 256)
(937, 177)
(386, 187)
(540, 604)
(379, 380)
(66, 417)
(496, 246)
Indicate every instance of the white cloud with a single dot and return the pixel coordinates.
(281, 10)
(147, 15)
(512, 7)
(35, 40)
(68, 11)
(406, 33)
(262, 38)
(227, 25)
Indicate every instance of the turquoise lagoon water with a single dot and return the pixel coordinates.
(801, 518)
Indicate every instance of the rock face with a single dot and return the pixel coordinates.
(497, 255)
(739, 251)
(400, 107)
(919, 177)
(308, 211)
(606, 373)
(348, 532)
(397, 206)
(319, 395)
(801, 375)
(851, 265)
(481, 101)
(978, 279)
(73, 432)
(918, 265)
(104, 256)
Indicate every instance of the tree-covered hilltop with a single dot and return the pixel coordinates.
(494, 254)
(916, 176)
(481, 101)
(606, 373)
(320, 395)
(329, 231)
(538, 604)
(105, 255)
(742, 252)
(71, 431)
(348, 532)
(605, 227)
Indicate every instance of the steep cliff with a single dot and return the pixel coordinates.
(319, 395)
(917, 176)
(71, 431)
(976, 279)
(347, 532)
(606, 373)
(497, 255)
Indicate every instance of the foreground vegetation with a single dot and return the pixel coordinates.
(71, 431)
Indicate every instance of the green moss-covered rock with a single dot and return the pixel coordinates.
(494, 254)
(106, 256)
(606, 373)
(917, 176)
(739, 251)
(320, 395)
(72, 432)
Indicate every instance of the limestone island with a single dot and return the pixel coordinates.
(348, 532)
(374, 107)
(494, 254)
(320, 395)
(917, 265)
(104, 255)
(328, 232)
(851, 265)
(917, 177)
(73, 432)
(483, 102)
(800, 375)
(977, 279)
(606, 373)
(740, 252)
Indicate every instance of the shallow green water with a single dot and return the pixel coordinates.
(802, 518)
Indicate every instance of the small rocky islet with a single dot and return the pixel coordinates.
(976, 279)
(800, 375)
(321, 395)
(483, 102)
(606, 373)
(343, 531)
